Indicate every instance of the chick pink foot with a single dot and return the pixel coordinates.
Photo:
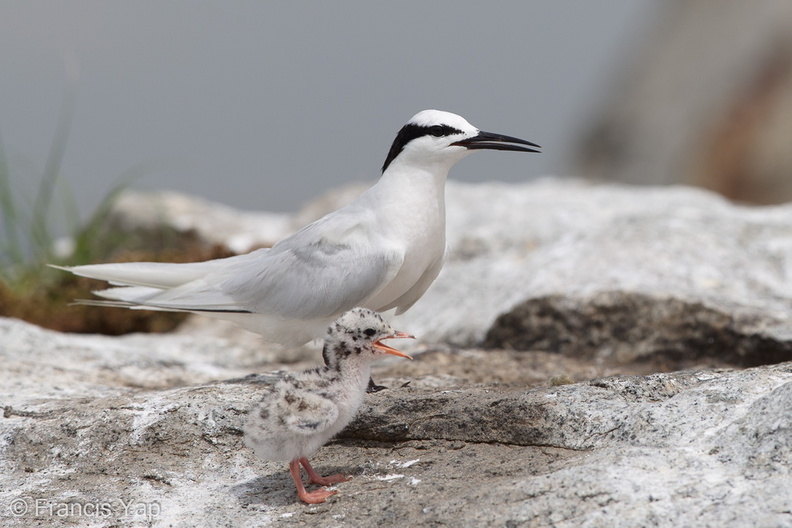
(310, 497)
(315, 497)
(316, 478)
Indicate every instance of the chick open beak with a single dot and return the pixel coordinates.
(388, 350)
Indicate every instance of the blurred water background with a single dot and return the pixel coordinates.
(265, 105)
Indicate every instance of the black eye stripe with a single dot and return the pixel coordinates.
(412, 131)
(442, 130)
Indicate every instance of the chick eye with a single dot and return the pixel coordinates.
(369, 332)
(436, 131)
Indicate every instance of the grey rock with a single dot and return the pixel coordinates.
(607, 285)
(630, 326)
(240, 231)
(567, 243)
(704, 448)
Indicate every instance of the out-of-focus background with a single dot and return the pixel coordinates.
(266, 105)
(706, 101)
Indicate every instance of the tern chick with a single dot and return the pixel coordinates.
(302, 411)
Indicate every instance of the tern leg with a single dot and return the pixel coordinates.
(316, 478)
(311, 497)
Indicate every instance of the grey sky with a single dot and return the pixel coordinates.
(264, 105)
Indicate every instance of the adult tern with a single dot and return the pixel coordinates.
(381, 252)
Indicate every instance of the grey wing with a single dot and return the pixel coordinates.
(324, 269)
(309, 277)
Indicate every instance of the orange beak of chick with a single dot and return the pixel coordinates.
(389, 350)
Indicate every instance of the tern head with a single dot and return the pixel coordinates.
(434, 137)
(359, 334)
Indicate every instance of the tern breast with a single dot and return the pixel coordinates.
(411, 214)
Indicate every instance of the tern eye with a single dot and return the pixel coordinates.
(437, 131)
(369, 332)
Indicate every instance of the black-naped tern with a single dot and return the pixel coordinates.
(381, 252)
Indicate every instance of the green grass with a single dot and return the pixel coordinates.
(11, 250)
(32, 291)
(29, 239)
(29, 242)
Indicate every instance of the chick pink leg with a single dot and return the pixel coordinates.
(316, 478)
(312, 497)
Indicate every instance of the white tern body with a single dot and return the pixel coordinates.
(381, 252)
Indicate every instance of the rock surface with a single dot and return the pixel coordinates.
(703, 448)
(511, 244)
(606, 394)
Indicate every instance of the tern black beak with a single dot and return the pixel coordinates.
(388, 350)
(491, 141)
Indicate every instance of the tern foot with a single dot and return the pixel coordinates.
(316, 478)
(332, 479)
(315, 497)
(373, 387)
(309, 497)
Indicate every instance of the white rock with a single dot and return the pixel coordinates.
(98, 420)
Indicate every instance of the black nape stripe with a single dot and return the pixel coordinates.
(411, 131)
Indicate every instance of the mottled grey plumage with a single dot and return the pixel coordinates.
(302, 411)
